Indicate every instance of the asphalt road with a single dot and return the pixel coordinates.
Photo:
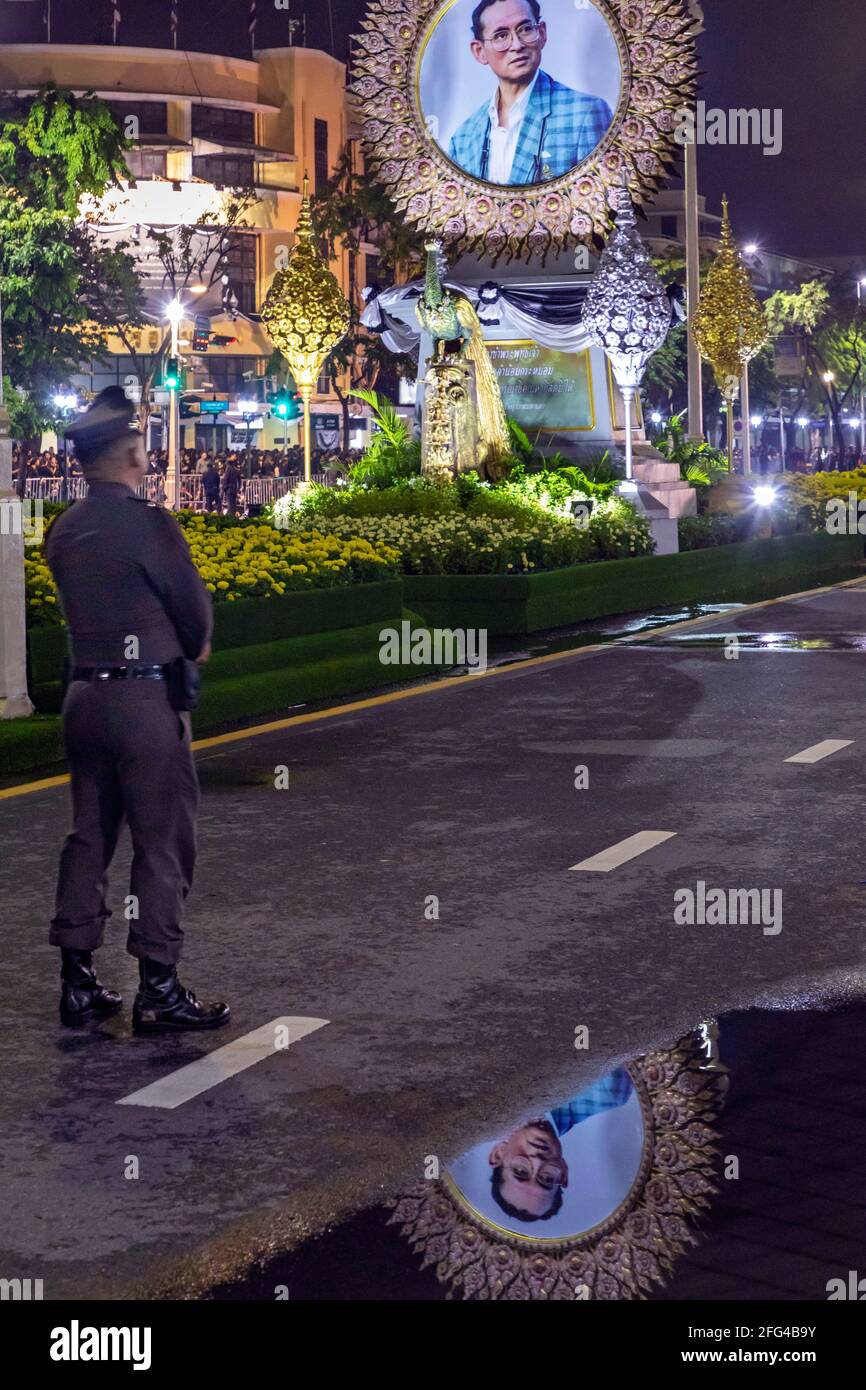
(310, 901)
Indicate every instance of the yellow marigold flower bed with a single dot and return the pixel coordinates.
(252, 560)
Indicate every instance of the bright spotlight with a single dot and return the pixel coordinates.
(174, 311)
(802, 421)
(764, 496)
(756, 421)
(751, 248)
(656, 418)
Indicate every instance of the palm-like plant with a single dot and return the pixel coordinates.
(699, 462)
(393, 455)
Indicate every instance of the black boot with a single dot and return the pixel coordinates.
(162, 1005)
(83, 998)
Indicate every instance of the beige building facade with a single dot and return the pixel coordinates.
(203, 120)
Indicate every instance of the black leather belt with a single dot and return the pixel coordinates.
(118, 673)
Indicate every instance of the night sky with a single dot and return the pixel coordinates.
(806, 58)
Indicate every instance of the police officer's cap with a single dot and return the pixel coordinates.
(107, 418)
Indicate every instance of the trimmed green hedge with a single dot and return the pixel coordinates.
(275, 652)
(248, 682)
(746, 572)
(29, 743)
(244, 624)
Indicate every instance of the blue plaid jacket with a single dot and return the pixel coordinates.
(605, 1094)
(560, 128)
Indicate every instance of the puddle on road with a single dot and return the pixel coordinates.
(621, 627)
(729, 1165)
(771, 641)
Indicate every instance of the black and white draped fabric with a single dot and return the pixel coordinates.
(548, 314)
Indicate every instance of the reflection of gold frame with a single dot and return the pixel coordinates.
(584, 352)
(681, 1094)
(658, 61)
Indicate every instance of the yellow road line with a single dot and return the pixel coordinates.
(34, 786)
(449, 683)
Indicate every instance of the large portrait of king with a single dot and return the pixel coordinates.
(519, 92)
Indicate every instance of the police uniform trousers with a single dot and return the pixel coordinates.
(130, 757)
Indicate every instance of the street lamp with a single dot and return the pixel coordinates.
(174, 313)
(65, 402)
(764, 495)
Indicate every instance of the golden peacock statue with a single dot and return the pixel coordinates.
(453, 325)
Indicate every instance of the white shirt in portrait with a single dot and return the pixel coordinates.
(503, 139)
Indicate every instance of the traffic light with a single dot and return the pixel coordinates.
(201, 335)
(286, 406)
(171, 376)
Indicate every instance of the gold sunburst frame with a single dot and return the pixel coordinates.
(655, 39)
(681, 1096)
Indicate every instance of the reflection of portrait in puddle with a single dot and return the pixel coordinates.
(559, 1174)
(582, 1186)
(529, 1168)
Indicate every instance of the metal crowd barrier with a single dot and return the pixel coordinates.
(254, 492)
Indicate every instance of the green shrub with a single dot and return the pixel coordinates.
(718, 528)
(468, 543)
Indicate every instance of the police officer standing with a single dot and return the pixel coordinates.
(139, 619)
(231, 485)
(210, 480)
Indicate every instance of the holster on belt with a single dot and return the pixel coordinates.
(183, 678)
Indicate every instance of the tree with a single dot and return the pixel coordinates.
(54, 148)
(189, 254)
(363, 362)
(833, 333)
(354, 211)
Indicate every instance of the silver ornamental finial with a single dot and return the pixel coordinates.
(627, 311)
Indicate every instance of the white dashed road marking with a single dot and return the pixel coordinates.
(820, 750)
(624, 850)
(188, 1082)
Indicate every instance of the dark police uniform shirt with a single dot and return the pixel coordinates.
(123, 569)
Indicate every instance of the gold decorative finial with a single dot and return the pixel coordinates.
(304, 229)
(305, 313)
(728, 326)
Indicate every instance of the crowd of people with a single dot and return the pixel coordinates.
(766, 459)
(215, 480)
